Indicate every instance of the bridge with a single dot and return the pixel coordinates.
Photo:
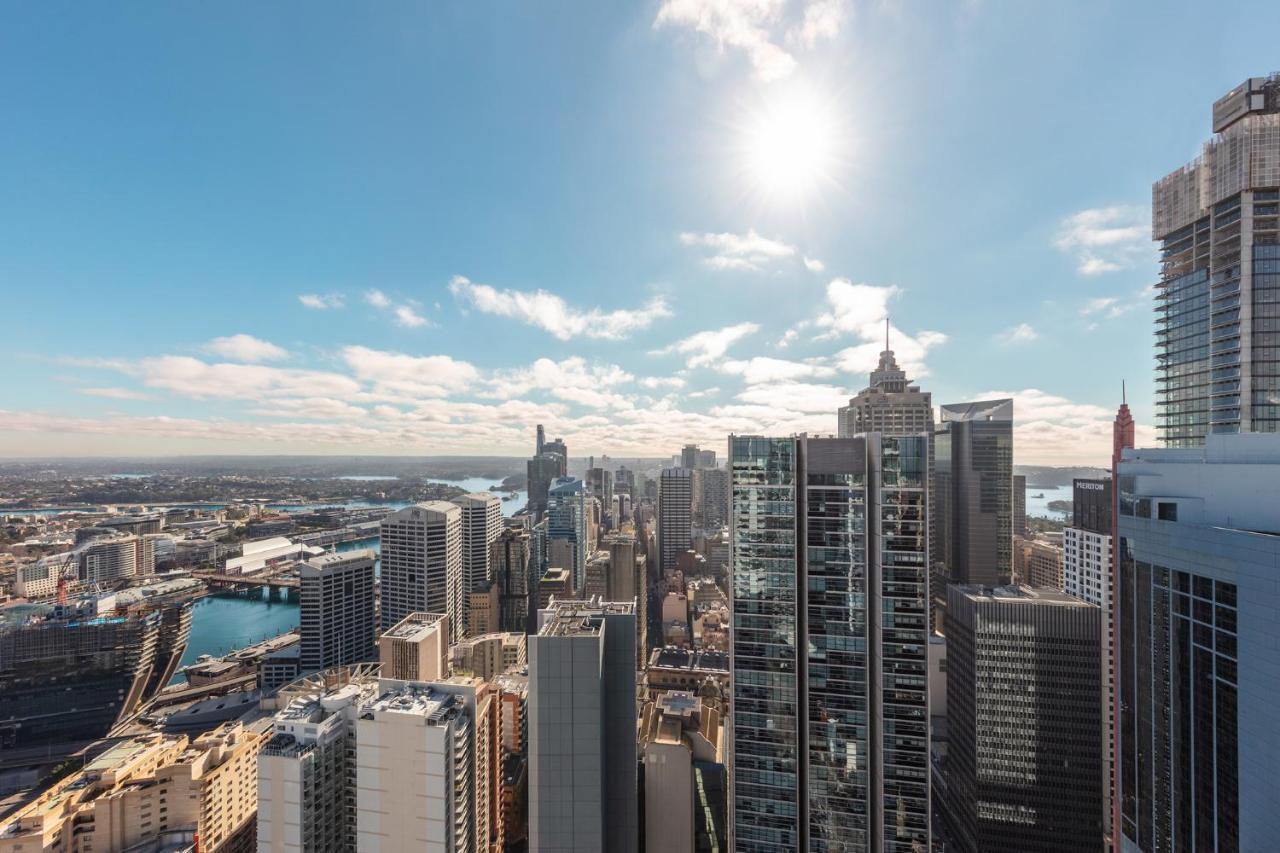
(221, 580)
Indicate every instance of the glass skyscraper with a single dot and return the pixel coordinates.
(1217, 220)
(830, 706)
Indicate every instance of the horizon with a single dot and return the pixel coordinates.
(420, 231)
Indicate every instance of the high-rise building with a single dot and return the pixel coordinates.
(890, 404)
(689, 456)
(1024, 720)
(600, 486)
(710, 498)
(675, 515)
(491, 655)
(416, 648)
(583, 793)
(543, 470)
(541, 441)
(706, 459)
(973, 494)
(338, 616)
(1086, 574)
(1198, 644)
(422, 562)
(683, 755)
(1019, 505)
(830, 712)
(567, 545)
(1044, 564)
(557, 583)
(511, 558)
(481, 524)
(560, 451)
(1217, 220)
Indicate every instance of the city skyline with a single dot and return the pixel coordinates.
(641, 226)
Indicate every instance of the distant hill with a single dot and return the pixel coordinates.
(1043, 475)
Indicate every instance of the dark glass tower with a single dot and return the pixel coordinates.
(830, 706)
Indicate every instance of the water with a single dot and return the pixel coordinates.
(366, 477)
(1039, 506)
(223, 623)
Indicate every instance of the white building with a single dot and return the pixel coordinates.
(422, 562)
(481, 524)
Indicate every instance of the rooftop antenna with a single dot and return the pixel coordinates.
(1124, 399)
(886, 332)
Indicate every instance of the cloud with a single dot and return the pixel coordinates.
(744, 25)
(1106, 239)
(823, 19)
(377, 299)
(191, 377)
(860, 310)
(707, 347)
(116, 393)
(814, 265)
(321, 302)
(656, 382)
(396, 374)
(761, 369)
(747, 252)
(552, 314)
(245, 348)
(407, 317)
(798, 397)
(1052, 430)
(1022, 333)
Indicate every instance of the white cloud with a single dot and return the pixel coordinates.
(407, 317)
(814, 265)
(762, 369)
(656, 382)
(707, 347)
(823, 19)
(798, 397)
(245, 348)
(408, 375)
(377, 298)
(744, 25)
(552, 314)
(748, 252)
(313, 408)
(1106, 239)
(1052, 430)
(1022, 333)
(322, 301)
(860, 310)
(116, 393)
(191, 377)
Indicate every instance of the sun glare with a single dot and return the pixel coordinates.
(793, 146)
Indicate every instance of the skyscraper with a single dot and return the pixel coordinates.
(481, 524)
(890, 404)
(675, 515)
(338, 616)
(542, 470)
(710, 497)
(416, 648)
(973, 494)
(689, 456)
(1019, 505)
(583, 793)
(422, 562)
(1198, 645)
(1024, 720)
(1218, 223)
(567, 528)
(830, 724)
(511, 558)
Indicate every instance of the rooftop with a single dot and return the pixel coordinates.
(577, 618)
(414, 626)
(420, 700)
(1021, 595)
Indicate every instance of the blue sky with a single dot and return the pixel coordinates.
(423, 228)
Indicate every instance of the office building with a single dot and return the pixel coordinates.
(1198, 644)
(560, 451)
(485, 607)
(490, 655)
(830, 725)
(973, 494)
(422, 562)
(338, 617)
(1044, 563)
(1024, 720)
(583, 794)
(1217, 220)
(600, 486)
(689, 456)
(511, 558)
(557, 584)
(416, 648)
(890, 404)
(682, 752)
(542, 471)
(710, 498)
(1086, 574)
(675, 516)
(155, 792)
(481, 524)
(1019, 505)
(567, 535)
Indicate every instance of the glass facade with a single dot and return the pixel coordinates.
(829, 646)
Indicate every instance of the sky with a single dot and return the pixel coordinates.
(307, 227)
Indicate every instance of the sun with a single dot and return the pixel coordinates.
(793, 145)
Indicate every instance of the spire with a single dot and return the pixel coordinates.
(886, 332)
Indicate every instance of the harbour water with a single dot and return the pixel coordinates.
(1038, 498)
(223, 623)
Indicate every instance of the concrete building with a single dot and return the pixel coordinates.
(710, 498)
(338, 616)
(1024, 720)
(491, 655)
(485, 607)
(972, 510)
(145, 792)
(567, 535)
(1198, 644)
(1217, 220)
(1019, 505)
(556, 583)
(582, 727)
(421, 554)
(683, 755)
(890, 404)
(830, 727)
(542, 470)
(675, 515)
(705, 673)
(416, 648)
(1044, 563)
(481, 525)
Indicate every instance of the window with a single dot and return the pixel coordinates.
(1167, 511)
